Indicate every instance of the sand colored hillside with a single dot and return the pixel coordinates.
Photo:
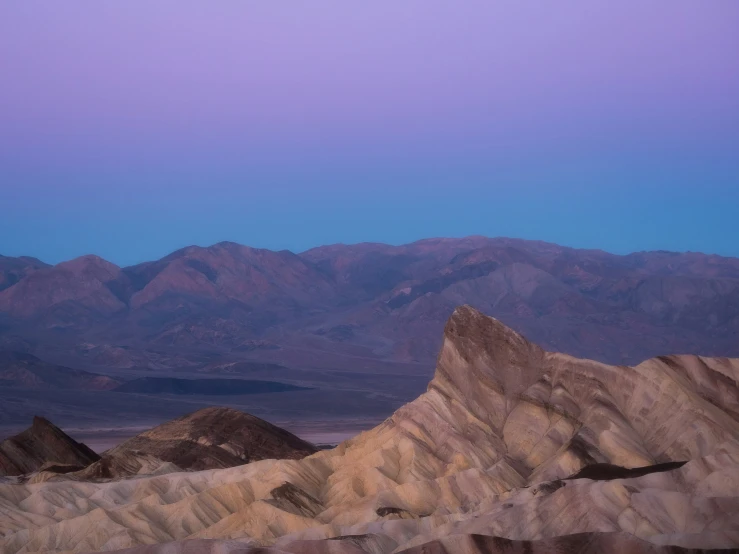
(485, 452)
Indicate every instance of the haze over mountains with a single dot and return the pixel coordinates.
(371, 301)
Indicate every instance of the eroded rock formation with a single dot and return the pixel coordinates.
(43, 446)
(492, 449)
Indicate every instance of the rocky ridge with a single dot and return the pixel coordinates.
(43, 446)
(210, 438)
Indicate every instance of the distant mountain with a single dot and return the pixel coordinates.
(229, 272)
(71, 294)
(18, 369)
(42, 443)
(584, 302)
(337, 304)
(13, 270)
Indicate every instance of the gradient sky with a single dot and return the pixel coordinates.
(130, 129)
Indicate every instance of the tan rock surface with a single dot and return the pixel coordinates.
(484, 452)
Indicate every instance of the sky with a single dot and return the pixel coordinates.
(131, 129)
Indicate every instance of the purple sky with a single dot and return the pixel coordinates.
(129, 129)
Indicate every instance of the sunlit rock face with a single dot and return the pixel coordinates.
(480, 463)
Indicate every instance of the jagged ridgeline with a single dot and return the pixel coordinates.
(511, 449)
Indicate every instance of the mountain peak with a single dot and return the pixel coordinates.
(475, 334)
(480, 353)
(89, 261)
(41, 443)
(227, 244)
(43, 424)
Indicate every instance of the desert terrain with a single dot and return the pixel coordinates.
(512, 448)
(341, 335)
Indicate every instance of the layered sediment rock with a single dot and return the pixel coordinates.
(41, 446)
(497, 449)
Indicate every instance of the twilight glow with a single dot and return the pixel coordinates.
(129, 129)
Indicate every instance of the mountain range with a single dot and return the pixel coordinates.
(369, 302)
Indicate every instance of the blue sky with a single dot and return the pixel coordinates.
(130, 130)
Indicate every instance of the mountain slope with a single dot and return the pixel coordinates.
(40, 444)
(13, 270)
(207, 439)
(24, 370)
(489, 449)
(69, 294)
(229, 271)
(619, 309)
(372, 301)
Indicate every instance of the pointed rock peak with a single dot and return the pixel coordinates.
(481, 353)
(41, 443)
(474, 333)
(43, 428)
(41, 423)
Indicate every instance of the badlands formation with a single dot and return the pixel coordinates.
(211, 438)
(511, 449)
(43, 445)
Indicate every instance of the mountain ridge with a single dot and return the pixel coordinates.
(41, 444)
(388, 302)
(25, 370)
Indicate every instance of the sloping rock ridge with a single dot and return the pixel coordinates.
(19, 369)
(43, 446)
(210, 438)
(493, 457)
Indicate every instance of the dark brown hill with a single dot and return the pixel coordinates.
(41, 444)
(207, 439)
